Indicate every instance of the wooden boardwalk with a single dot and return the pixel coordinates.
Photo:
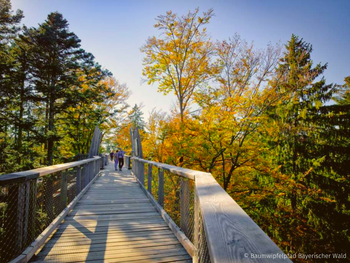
(113, 222)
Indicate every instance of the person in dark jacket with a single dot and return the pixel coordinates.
(121, 159)
(116, 160)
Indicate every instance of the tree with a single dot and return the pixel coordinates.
(301, 92)
(233, 111)
(136, 117)
(99, 99)
(157, 134)
(55, 59)
(304, 143)
(343, 97)
(8, 31)
(180, 60)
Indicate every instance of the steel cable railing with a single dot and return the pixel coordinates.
(207, 221)
(30, 201)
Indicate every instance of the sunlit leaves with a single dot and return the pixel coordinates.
(180, 60)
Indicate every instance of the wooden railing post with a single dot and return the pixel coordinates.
(91, 172)
(98, 169)
(33, 193)
(129, 162)
(86, 174)
(161, 187)
(196, 228)
(26, 213)
(78, 179)
(49, 198)
(142, 173)
(136, 164)
(98, 166)
(132, 167)
(185, 206)
(149, 178)
(63, 190)
(102, 161)
(29, 209)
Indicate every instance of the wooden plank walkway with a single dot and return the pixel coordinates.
(113, 222)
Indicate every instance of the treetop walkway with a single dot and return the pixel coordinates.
(86, 211)
(114, 221)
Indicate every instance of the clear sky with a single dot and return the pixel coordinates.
(114, 30)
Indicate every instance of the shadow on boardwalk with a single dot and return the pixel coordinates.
(113, 222)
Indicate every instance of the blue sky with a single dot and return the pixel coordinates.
(114, 30)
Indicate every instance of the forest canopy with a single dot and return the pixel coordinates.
(52, 93)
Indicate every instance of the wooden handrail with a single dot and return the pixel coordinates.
(231, 235)
(183, 172)
(35, 173)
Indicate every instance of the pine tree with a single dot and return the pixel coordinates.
(331, 142)
(55, 59)
(300, 92)
(307, 150)
(8, 31)
(136, 117)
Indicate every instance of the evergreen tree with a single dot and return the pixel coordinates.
(343, 97)
(8, 30)
(301, 92)
(55, 59)
(307, 152)
(331, 142)
(136, 117)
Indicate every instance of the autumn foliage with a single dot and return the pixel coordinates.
(261, 121)
(264, 122)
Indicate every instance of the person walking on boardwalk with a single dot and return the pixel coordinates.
(111, 155)
(116, 160)
(121, 159)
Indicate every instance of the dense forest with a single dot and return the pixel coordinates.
(52, 93)
(264, 122)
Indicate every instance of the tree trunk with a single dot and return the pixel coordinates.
(46, 125)
(20, 125)
(50, 142)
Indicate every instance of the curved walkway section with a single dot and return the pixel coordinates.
(113, 222)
